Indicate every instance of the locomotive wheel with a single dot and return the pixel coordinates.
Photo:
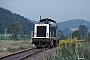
(39, 45)
(50, 45)
(46, 45)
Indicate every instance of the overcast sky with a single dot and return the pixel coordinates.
(59, 10)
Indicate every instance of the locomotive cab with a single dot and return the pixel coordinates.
(45, 33)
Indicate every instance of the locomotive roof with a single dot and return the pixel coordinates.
(47, 19)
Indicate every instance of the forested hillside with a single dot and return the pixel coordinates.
(73, 24)
(7, 17)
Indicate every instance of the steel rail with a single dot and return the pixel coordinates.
(21, 54)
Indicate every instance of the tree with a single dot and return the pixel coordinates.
(62, 37)
(14, 29)
(83, 30)
(76, 34)
(89, 34)
(1, 28)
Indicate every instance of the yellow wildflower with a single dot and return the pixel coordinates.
(60, 47)
(68, 41)
(62, 42)
(78, 44)
(74, 40)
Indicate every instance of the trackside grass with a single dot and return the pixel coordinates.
(10, 46)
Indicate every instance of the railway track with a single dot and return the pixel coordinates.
(21, 55)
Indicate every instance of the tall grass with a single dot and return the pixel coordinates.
(10, 46)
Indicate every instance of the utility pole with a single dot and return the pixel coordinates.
(68, 32)
(5, 32)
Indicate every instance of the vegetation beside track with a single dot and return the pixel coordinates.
(72, 50)
(10, 46)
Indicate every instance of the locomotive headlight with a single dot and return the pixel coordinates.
(34, 33)
(47, 33)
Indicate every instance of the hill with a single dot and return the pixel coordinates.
(7, 17)
(33, 21)
(73, 24)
